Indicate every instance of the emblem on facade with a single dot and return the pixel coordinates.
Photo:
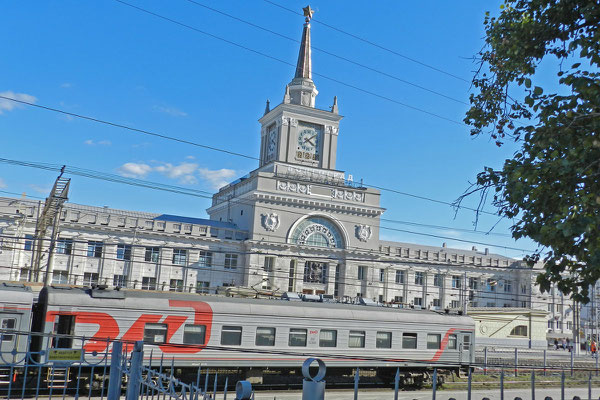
(363, 232)
(270, 221)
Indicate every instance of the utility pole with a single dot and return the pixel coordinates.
(49, 218)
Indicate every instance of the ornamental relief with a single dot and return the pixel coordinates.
(331, 129)
(363, 232)
(294, 187)
(341, 194)
(270, 221)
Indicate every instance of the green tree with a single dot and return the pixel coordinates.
(550, 188)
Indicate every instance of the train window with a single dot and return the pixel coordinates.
(265, 336)
(356, 339)
(467, 342)
(409, 340)
(155, 333)
(64, 328)
(194, 334)
(231, 335)
(328, 338)
(297, 337)
(384, 340)
(433, 341)
(8, 324)
(452, 342)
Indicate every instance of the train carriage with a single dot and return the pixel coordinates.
(225, 332)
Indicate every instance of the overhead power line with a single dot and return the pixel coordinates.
(198, 193)
(369, 42)
(313, 47)
(260, 53)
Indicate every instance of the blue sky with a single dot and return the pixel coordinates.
(110, 61)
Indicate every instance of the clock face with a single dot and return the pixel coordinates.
(309, 140)
(272, 144)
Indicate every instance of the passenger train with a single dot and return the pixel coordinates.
(248, 335)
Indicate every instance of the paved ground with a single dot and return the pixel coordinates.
(509, 394)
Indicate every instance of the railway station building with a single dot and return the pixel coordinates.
(294, 224)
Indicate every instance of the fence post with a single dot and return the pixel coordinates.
(572, 363)
(485, 360)
(545, 362)
(516, 361)
(396, 383)
(114, 380)
(590, 387)
(356, 385)
(135, 371)
(469, 386)
(434, 383)
(562, 385)
(597, 356)
(532, 384)
(502, 384)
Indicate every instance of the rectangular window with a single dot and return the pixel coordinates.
(409, 340)
(524, 289)
(148, 283)
(399, 299)
(419, 278)
(400, 276)
(454, 304)
(491, 283)
(231, 261)
(151, 254)
(434, 341)
(381, 275)
(124, 252)
(438, 280)
(64, 246)
(155, 333)
(205, 259)
(293, 273)
(297, 337)
(328, 338)
(119, 281)
(356, 339)
(24, 274)
(473, 283)
(452, 340)
(202, 287)
(362, 273)
(194, 334)
(265, 336)
(231, 335)
(28, 242)
(437, 303)
(456, 281)
(269, 264)
(315, 272)
(384, 340)
(90, 278)
(8, 324)
(60, 277)
(94, 249)
(507, 286)
(179, 256)
(550, 324)
(418, 301)
(176, 285)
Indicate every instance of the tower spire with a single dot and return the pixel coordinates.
(302, 87)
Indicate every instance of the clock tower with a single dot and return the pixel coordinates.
(295, 132)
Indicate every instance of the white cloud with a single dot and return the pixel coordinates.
(7, 105)
(66, 85)
(134, 170)
(184, 172)
(172, 111)
(90, 142)
(190, 157)
(2, 183)
(217, 178)
(40, 189)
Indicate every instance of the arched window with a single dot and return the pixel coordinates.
(519, 330)
(317, 231)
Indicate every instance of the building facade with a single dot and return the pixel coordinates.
(294, 224)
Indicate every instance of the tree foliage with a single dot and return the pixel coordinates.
(551, 187)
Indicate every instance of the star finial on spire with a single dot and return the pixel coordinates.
(308, 12)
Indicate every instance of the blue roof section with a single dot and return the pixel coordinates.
(197, 221)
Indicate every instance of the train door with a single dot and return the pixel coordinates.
(466, 344)
(64, 329)
(9, 323)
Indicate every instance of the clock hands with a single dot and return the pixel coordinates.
(310, 139)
